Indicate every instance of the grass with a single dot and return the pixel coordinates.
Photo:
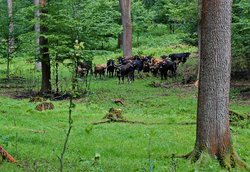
(122, 147)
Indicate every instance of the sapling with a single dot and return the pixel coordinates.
(70, 121)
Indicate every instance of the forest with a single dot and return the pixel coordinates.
(124, 85)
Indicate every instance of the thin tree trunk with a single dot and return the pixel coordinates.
(213, 132)
(57, 77)
(11, 36)
(37, 32)
(127, 27)
(199, 42)
(44, 51)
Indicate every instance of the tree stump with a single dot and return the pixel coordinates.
(114, 115)
(45, 106)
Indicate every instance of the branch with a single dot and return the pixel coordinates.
(6, 155)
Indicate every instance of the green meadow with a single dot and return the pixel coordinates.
(164, 122)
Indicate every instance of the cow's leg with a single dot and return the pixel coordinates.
(162, 74)
(87, 73)
(119, 78)
(123, 79)
(133, 76)
(129, 77)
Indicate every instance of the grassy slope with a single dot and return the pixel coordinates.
(123, 147)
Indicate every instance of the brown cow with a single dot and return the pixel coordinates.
(155, 65)
(156, 61)
(100, 69)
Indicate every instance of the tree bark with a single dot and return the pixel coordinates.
(10, 36)
(213, 132)
(44, 51)
(127, 27)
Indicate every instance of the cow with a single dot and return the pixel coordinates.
(166, 66)
(100, 69)
(146, 61)
(83, 68)
(180, 57)
(146, 67)
(155, 61)
(126, 70)
(155, 66)
(82, 71)
(110, 67)
(123, 60)
(138, 64)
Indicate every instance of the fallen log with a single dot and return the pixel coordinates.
(6, 155)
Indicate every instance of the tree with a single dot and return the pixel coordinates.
(10, 37)
(127, 27)
(213, 132)
(37, 32)
(44, 51)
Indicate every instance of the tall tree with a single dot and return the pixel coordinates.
(127, 27)
(44, 50)
(213, 132)
(10, 36)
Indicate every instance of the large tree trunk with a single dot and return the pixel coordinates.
(37, 32)
(127, 27)
(213, 132)
(11, 36)
(44, 51)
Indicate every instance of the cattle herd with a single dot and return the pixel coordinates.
(125, 67)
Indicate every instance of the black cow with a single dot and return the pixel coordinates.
(146, 67)
(138, 64)
(125, 70)
(122, 60)
(146, 61)
(180, 57)
(166, 66)
(110, 67)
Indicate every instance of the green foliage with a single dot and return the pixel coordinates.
(100, 22)
(3, 48)
(4, 20)
(241, 35)
(141, 17)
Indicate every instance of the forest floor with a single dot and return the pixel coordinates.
(163, 125)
